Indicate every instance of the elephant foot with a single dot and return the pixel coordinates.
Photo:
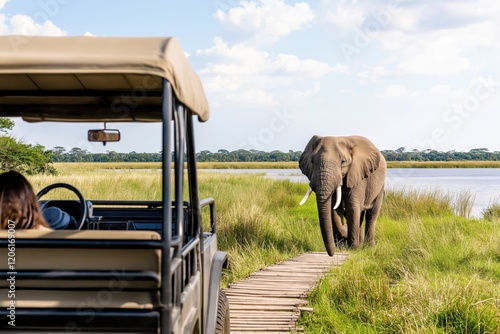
(353, 245)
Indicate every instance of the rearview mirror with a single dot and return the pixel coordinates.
(104, 135)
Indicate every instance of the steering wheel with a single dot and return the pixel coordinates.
(82, 203)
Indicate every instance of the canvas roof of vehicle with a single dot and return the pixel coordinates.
(87, 78)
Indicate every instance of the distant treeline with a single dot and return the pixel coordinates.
(477, 154)
(80, 155)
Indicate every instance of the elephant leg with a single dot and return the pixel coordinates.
(339, 228)
(353, 227)
(371, 218)
(361, 235)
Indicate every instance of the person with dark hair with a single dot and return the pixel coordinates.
(19, 204)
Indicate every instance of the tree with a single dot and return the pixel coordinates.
(6, 124)
(59, 152)
(24, 158)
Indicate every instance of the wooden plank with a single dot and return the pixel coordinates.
(252, 318)
(272, 294)
(284, 303)
(278, 278)
(266, 322)
(257, 332)
(264, 314)
(255, 319)
(242, 301)
(270, 287)
(285, 274)
(263, 307)
(266, 328)
(257, 284)
(271, 300)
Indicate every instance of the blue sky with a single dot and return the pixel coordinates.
(414, 74)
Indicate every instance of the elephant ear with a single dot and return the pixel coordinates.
(366, 158)
(305, 163)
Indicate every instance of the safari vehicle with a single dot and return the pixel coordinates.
(112, 266)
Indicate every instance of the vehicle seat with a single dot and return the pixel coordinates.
(91, 279)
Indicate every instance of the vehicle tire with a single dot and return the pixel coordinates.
(222, 325)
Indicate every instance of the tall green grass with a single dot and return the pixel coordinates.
(492, 212)
(404, 203)
(103, 184)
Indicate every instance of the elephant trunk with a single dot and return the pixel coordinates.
(325, 222)
(324, 189)
(338, 194)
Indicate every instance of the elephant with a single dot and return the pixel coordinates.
(352, 171)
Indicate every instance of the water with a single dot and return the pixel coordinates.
(483, 183)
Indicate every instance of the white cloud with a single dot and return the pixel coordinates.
(440, 89)
(441, 52)
(477, 8)
(419, 38)
(251, 97)
(291, 64)
(2, 3)
(352, 15)
(397, 92)
(295, 96)
(266, 20)
(373, 74)
(233, 60)
(24, 25)
(243, 73)
(346, 91)
(3, 25)
(241, 59)
(345, 17)
(409, 19)
(433, 62)
(435, 40)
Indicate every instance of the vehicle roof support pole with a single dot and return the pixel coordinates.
(180, 138)
(166, 277)
(194, 196)
(192, 175)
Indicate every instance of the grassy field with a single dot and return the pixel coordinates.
(390, 164)
(431, 271)
(70, 166)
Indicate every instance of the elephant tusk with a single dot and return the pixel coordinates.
(339, 197)
(306, 196)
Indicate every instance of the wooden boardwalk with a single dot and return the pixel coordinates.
(270, 300)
